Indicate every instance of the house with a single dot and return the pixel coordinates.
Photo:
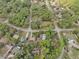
(16, 36)
(10, 56)
(43, 36)
(23, 39)
(31, 38)
(34, 1)
(3, 40)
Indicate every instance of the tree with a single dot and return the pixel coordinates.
(20, 19)
(50, 34)
(41, 12)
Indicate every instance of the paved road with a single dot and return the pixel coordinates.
(27, 29)
(57, 30)
(30, 19)
(61, 55)
(8, 52)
